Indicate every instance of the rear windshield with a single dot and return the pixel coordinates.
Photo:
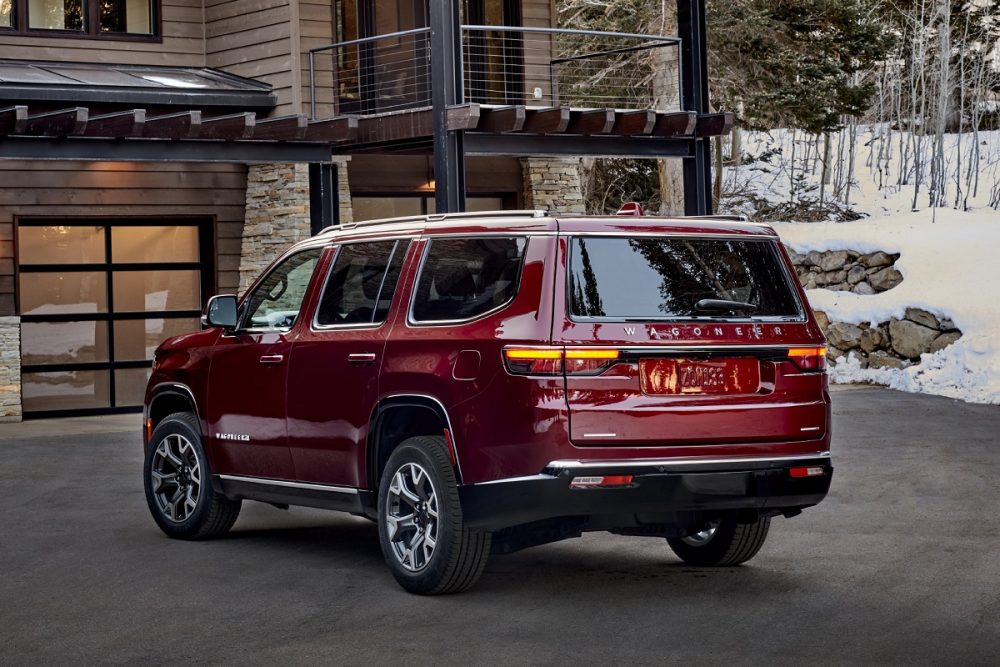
(677, 278)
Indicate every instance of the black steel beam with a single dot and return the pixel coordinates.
(160, 150)
(694, 97)
(446, 90)
(529, 145)
(323, 205)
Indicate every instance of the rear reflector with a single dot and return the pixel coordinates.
(813, 471)
(602, 482)
(811, 359)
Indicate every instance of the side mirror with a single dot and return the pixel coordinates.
(221, 312)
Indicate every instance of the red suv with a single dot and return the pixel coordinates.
(481, 383)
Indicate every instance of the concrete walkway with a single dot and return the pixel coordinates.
(900, 565)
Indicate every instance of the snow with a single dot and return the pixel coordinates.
(950, 267)
(948, 258)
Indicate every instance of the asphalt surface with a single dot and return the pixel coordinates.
(901, 564)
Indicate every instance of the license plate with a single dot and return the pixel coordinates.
(737, 375)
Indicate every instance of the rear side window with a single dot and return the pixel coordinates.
(361, 283)
(464, 278)
(676, 278)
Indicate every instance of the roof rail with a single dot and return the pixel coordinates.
(725, 218)
(437, 217)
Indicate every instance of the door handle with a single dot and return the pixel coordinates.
(361, 358)
(272, 359)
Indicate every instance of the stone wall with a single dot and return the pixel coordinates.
(10, 369)
(553, 185)
(847, 270)
(277, 212)
(897, 343)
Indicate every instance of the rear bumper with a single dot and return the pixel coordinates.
(658, 486)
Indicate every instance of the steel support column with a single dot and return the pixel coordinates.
(694, 97)
(446, 89)
(324, 209)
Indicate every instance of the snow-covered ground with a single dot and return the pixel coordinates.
(950, 259)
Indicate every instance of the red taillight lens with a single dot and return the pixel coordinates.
(552, 360)
(810, 359)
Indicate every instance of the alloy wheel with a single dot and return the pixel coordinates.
(411, 516)
(175, 475)
(703, 536)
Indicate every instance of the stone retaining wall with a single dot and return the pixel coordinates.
(847, 270)
(897, 343)
(10, 369)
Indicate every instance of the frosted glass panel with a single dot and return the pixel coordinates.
(60, 244)
(157, 290)
(59, 293)
(66, 390)
(154, 244)
(136, 340)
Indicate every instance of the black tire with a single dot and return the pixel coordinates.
(212, 514)
(459, 554)
(732, 543)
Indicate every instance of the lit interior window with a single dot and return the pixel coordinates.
(55, 14)
(128, 16)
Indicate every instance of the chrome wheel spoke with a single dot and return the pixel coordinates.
(411, 516)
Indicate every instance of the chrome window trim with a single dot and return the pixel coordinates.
(330, 488)
(425, 251)
(314, 324)
(802, 318)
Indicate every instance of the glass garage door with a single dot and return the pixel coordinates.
(96, 298)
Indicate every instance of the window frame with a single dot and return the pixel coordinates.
(571, 239)
(425, 253)
(91, 25)
(244, 307)
(405, 241)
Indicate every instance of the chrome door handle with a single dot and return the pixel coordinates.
(361, 358)
(272, 359)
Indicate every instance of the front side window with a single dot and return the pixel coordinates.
(677, 278)
(361, 284)
(276, 302)
(464, 278)
(122, 17)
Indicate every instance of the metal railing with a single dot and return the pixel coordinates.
(499, 65)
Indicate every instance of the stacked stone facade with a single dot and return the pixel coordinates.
(10, 369)
(553, 185)
(277, 212)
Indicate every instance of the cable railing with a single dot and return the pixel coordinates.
(500, 65)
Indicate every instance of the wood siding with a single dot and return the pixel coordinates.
(254, 39)
(117, 189)
(183, 43)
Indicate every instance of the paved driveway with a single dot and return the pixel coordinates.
(901, 564)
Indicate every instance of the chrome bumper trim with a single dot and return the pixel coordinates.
(661, 463)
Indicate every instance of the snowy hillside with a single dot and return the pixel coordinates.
(948, 258)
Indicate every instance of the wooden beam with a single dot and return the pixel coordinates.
(501, 119)
(463, 117)
(675, 124)
(13, 119)
(591, 121)
(229, 127)
(118, 124)
(60, 123)
(287, 128)
(543, 121)
(631, 123)
(340, 128)
(183, 125)
(714, 124)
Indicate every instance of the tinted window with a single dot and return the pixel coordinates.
(276, 302)
(644, 278)
(463, 278)
(361, 283)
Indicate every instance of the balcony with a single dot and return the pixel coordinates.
(515, 81)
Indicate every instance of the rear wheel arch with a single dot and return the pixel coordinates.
(397, 418)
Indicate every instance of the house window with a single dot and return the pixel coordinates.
(91, 18)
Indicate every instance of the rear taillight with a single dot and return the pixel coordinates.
(809, 359)
(554, 360)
